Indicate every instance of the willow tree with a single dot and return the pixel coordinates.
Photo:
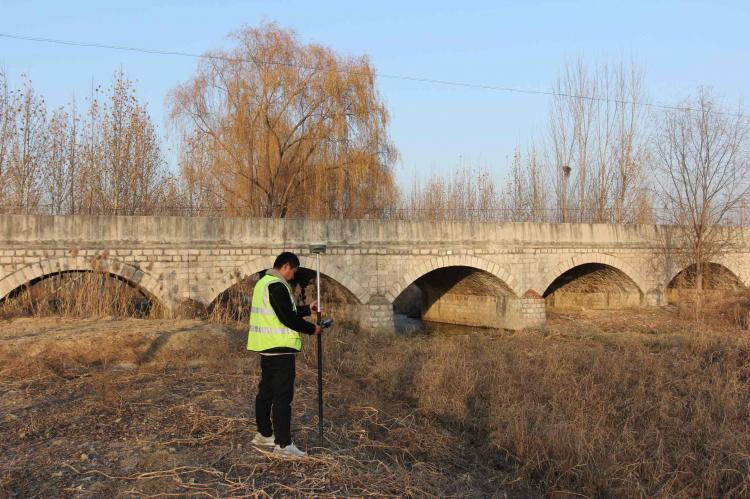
(275, 128)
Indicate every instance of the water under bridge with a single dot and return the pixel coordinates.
(504, 275)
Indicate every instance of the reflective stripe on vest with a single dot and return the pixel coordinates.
(266, 330)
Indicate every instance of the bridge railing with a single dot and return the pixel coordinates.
(738, 217)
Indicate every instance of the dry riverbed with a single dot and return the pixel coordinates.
(102, 408)
(617, 404)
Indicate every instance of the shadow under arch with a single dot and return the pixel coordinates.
(590, 258)
(130, 274)
(457, 294)
(234, 303)
(436, 263)
(595, 286)
(717, 280)
(721, 269)
(262, 263)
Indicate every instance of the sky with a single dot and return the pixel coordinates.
(680, 45)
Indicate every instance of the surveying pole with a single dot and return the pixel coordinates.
(318, 249)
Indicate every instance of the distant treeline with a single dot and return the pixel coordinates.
(276, 128)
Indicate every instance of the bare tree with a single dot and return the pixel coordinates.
(90, 154)
(7, 125)
(524, 193)
(598, 143)
(61, 173)
(570, 132)
(275, 128)
(118, 163)
(704, 176)
(28, 151)
(73, 159)
(465, 194)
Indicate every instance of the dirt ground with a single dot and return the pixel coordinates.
(596, 404)
(104, 408)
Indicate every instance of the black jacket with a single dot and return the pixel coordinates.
(281, 303)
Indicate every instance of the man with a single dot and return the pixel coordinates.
(275, 324)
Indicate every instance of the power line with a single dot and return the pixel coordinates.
(391, 76)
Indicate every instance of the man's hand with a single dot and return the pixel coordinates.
(314, 307)
(318, 329)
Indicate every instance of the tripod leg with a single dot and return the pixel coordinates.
(320, 355)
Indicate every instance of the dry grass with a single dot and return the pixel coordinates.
(176, 421)
(643, 403)
(638, 404)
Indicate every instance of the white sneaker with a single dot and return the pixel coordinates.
(264, 441)
(290, 450)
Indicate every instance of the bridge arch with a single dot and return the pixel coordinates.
(261, 263)
(734, 270)
(591, 258)
(435, 263)
(718, 278)
(133, 275)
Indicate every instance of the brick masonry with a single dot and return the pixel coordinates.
(179, 258)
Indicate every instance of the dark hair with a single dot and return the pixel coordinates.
(286, 257)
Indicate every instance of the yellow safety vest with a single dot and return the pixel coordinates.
(266, 330)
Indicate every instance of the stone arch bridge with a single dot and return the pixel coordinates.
(466, 272)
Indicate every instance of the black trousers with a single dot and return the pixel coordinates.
(275, 393)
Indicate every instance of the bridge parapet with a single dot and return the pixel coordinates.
(180, 258)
